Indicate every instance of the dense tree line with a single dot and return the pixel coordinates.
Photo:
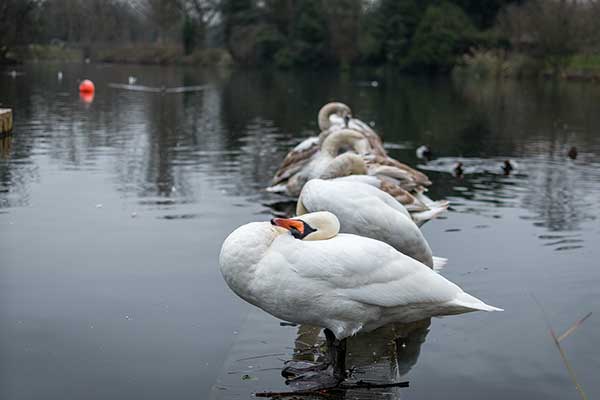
(424, 34)
(410, 34)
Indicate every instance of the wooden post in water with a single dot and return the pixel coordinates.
(6, 120)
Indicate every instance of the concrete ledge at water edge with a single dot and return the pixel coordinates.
(6, 120)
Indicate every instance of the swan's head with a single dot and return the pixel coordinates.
(320, 225)
(338, 109)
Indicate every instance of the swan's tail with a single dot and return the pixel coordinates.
(435, 209)
(277, 189)
(439, 263)
(429, 202)
(470, 303)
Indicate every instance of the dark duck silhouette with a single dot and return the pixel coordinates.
(458, 170)
(507, 167)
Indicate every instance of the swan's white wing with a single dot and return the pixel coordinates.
(367, 211)
(367, 179)
(350, 192)
(351, 198)
(367, 271)
(406, 200)
(359, 125)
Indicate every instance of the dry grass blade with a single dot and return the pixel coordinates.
(570, 369)
(573, 327)
(568, 365)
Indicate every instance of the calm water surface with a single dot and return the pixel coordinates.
(112, 215)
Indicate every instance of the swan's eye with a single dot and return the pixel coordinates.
(302, 231)
(298, 228)
(307, 230)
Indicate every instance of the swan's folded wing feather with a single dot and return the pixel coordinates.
(355, 203)
(296, 159)
(370, 271)
(415, 288)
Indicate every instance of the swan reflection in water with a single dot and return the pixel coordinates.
(385, 355)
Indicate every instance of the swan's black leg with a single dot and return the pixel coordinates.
(307, 375)
(337, 355)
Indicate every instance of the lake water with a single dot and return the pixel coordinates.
(112, 214)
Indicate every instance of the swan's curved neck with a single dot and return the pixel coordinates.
(327, 110)
(344, 165)
(300, 208)
(344, 137)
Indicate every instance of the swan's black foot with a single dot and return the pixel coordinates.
(294, 369)
(304, 375)
(313, 377)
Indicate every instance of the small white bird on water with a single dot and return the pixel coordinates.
(301, 270)
(424, 152)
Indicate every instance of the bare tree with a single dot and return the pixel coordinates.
(549, 29)
(13, 17)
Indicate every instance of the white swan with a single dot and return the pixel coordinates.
(327, 163)
(367, 211)
(332, 117)
(336, 116)
(301, 270)
(421, 207)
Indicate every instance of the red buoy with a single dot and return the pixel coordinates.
(86, 97)
(87, 86)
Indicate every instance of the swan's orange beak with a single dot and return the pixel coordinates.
(289, 224)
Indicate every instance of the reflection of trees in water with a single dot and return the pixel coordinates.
(537, 118)
(17, 170)
(236, 133)
(561, 196)
(539, 122)
(416, 111)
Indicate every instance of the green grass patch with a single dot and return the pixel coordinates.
(162, 55)
(585, 62)
(41, 52)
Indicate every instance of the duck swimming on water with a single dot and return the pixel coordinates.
(507, 167)
(458, 170)
(424, 153)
